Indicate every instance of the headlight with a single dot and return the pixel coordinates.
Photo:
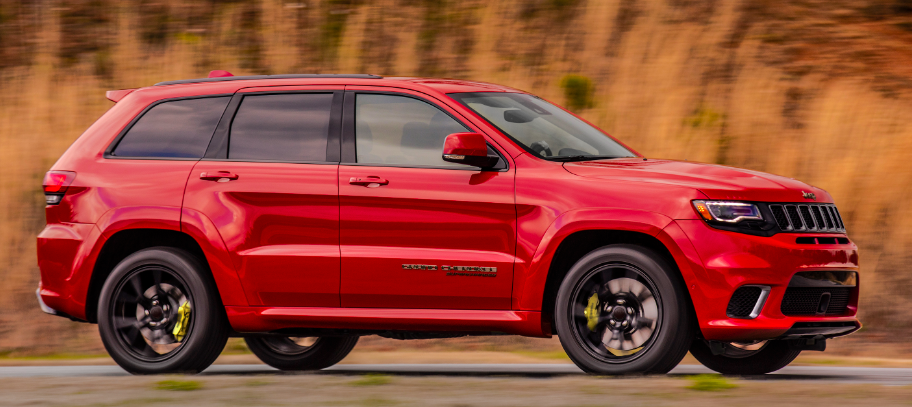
(727, 212)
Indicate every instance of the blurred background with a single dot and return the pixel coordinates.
(818, 90)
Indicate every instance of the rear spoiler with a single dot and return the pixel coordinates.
(116, 95)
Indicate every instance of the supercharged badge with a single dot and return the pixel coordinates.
(419, 267)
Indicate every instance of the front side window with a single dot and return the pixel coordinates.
(175, 129)
(401, 130)
(545, 129)
(290, 127)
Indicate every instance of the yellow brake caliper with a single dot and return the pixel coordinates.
(592, 312)
(183, 321)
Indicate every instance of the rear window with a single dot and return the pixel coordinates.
(285, 127)
(176, 129)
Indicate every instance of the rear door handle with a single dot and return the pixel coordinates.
(221, 176)
(370, 182)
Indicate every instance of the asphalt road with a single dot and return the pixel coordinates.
(886, 376)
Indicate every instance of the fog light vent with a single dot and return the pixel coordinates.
(747, 301)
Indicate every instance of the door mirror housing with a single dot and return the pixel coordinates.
(469, 149)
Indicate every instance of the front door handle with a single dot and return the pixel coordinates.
(221, 176)
(370, 182)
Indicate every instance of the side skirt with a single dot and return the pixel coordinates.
(270, 319)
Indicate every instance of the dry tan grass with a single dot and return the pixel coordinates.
(816, 93)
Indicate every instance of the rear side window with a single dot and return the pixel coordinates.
(176, 129)
(284, 127)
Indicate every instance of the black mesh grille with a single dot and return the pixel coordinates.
(806, 214)
(792, 211)
(807, 218)
(781, 219)
(804, 300)
(818, 216)
(743, 301)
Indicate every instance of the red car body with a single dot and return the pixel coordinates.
(304, 245)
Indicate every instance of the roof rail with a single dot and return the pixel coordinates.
(254, 77)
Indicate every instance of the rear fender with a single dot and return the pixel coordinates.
(201, 229)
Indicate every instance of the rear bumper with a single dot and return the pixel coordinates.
(731, 260)
(66, 255)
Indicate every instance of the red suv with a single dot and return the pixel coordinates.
(303, 211)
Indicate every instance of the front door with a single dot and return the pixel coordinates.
(270, 189)
(416, 231)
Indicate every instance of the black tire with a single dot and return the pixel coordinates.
(284, 353)
(670, 330)
(153, 278)
(772, 356)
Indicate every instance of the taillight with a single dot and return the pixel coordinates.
(55, 185)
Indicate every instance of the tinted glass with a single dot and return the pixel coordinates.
(178, 129)
(288, 127)
(541, 127)
(402, 130)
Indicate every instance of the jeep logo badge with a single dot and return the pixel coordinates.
(809, 195)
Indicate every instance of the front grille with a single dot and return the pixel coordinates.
(805, 300)
(808, 218)
(743, 301)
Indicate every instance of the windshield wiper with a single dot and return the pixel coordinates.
(573, 158)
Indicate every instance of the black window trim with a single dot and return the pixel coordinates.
(218, 146)
(350, 150)
(109, 151)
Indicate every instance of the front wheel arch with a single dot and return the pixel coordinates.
(581, 243)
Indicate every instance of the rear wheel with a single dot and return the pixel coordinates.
(301, 353)
(754, 358)
(622, 309)
(159, 312)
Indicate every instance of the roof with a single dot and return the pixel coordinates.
(439, 85)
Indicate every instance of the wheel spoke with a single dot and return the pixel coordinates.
(643, 322)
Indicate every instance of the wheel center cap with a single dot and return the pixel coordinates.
(619, 313)
(156, 313)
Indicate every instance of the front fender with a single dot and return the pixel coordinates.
(530, 278)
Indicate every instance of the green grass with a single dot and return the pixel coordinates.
(178, 385)
(556, 354)
(372, 379)
(9, 355)
(710, 382)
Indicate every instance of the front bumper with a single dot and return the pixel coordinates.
(729, 260)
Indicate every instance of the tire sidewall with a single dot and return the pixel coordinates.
(675, 317)
(204, 304)
(327, 351)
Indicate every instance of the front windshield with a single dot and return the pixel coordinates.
(541, 127)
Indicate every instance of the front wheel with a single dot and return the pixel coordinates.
(301, 353)
(622, 309)
(754, 358)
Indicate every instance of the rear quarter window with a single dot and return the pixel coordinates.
(175, 129)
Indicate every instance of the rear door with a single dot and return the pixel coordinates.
(268, 183)
(416, 231)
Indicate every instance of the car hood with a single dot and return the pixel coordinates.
(714, 181)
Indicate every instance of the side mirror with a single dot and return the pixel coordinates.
(469, 149)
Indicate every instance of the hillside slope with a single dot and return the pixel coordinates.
(816, 90)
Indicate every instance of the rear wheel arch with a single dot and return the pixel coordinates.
(578, 244)
(126, 242)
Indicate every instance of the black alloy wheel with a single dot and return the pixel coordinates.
(159, 312)
(149, 304)
(750, 358)
(615, 312)
(622, 309)
(301, 353)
